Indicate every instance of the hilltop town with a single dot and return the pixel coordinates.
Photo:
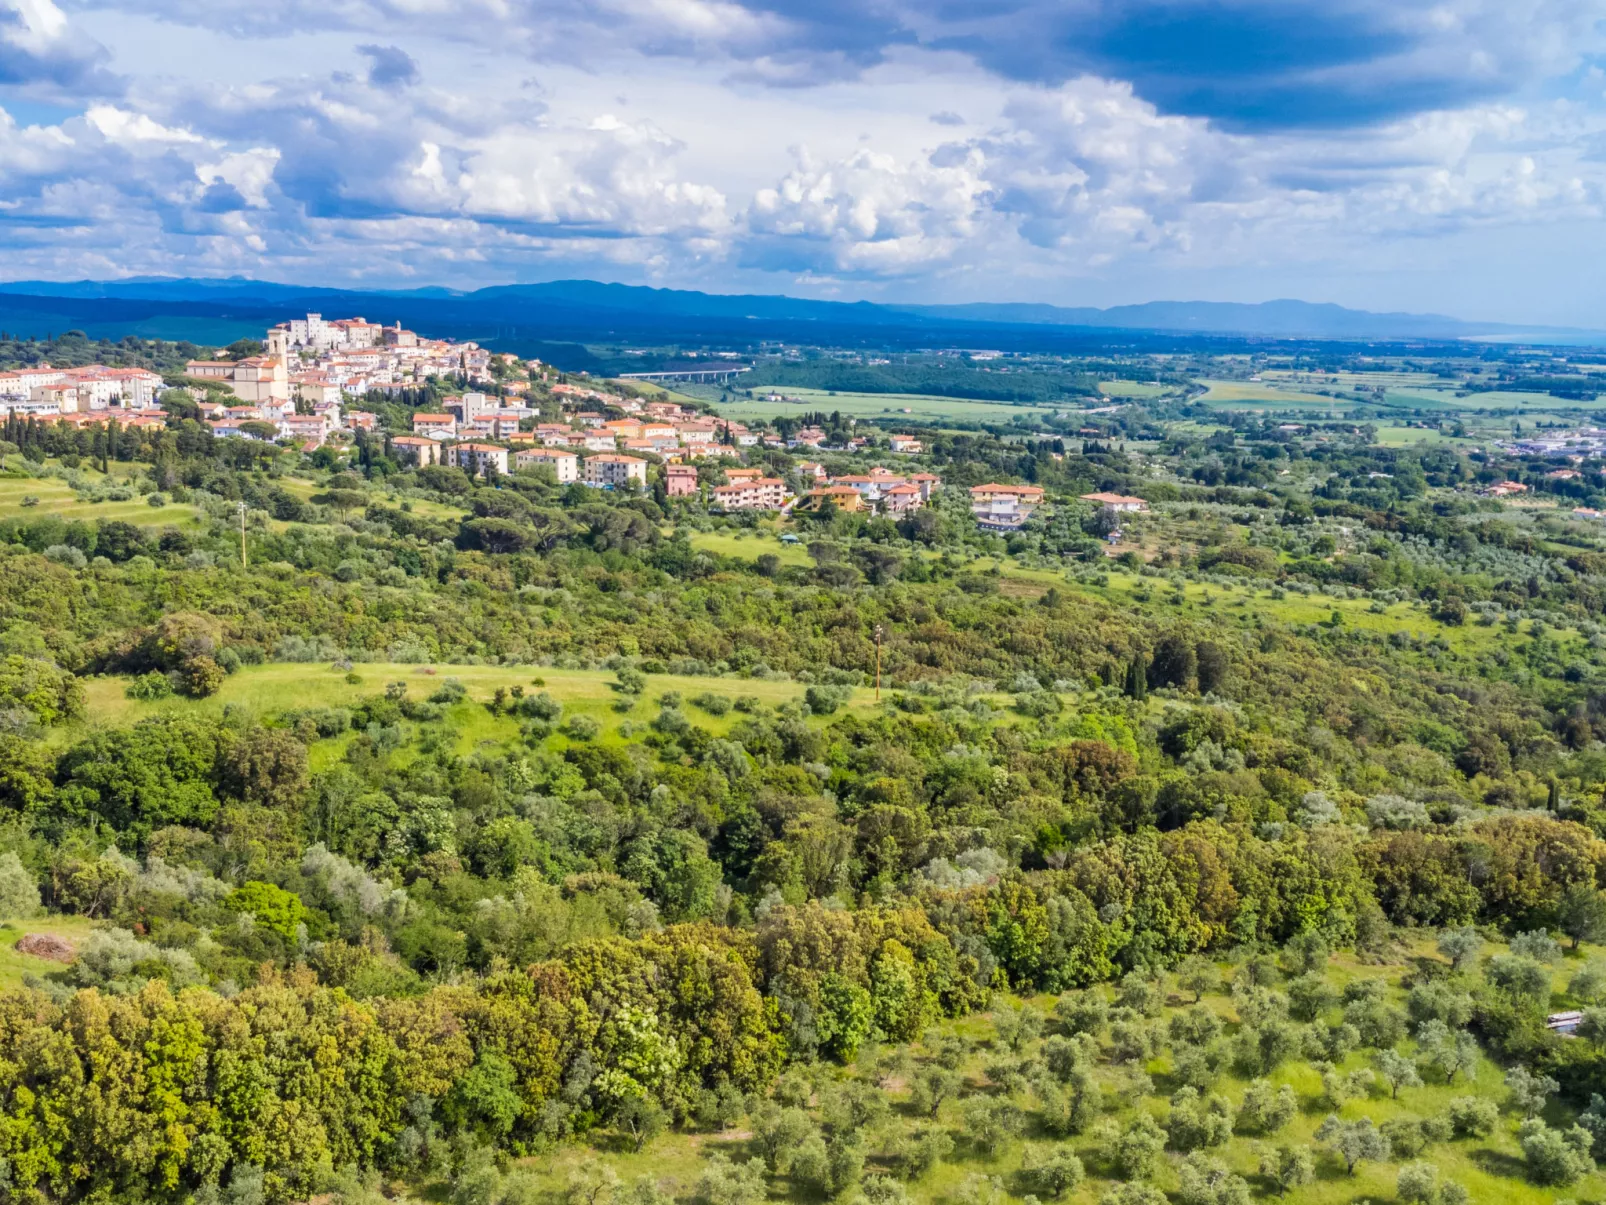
(317, 383)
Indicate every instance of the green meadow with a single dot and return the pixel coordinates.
(270, 690)
(54, 497)
(886, 408)
(14, 964)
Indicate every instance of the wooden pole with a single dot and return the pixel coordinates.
(878, 663)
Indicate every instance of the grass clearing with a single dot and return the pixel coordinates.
(1133, 389)
(56, 498)
(269, 690)
(14, 964)
(887, 408)
(751, 545)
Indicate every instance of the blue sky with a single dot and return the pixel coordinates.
(1445, 155)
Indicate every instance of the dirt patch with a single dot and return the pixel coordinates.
(1014, 587)
(46, 945)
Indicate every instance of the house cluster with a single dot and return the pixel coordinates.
(1504, 489)
(312, 360)
(90, 394)
(1004, 507)
(353, 356)
(476, 431)
(815, 437)
(879, 490)
(1561, 445)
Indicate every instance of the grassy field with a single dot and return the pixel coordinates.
(1133, 389)
(1254, 395)
(55, 498)
(1406, 437)
(670, 395)
(268, 690)
(14, 964)
(886, 408)
(1491, 1168)
(750, 546)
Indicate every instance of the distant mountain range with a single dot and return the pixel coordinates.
(536, 317)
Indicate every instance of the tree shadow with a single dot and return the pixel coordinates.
(1498, 1163)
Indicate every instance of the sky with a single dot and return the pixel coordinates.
(1423, 155)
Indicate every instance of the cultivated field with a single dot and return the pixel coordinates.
(55, 498)
(887, 407)
(991, 1070)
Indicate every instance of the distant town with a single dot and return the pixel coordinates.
(314, 383)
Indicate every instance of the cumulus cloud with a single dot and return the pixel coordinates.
(1089, 174)
(390, 66)
(38, 50)
(351, 175)
(868, 215)
(1080, 134)
(1252, 64)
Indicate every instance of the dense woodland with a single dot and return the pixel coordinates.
(334, 941)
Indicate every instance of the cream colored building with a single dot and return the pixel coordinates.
(565, 465)
(614, 471)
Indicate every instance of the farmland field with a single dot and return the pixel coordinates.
(983, 1056)
(55, 498)
(886, 407)
(1133, 389)
(265, 690)
(1252, 395)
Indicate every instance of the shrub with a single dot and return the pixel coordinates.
(711, 703)
(150, 687)
(19, 892)
(1556, 1156)
(1472, 1116)
(825, 700)
(200, 677)
(448, 692)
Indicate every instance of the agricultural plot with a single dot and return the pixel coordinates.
(53, 497)
(1149, 1081)
(1133, 389)
(1250, 395)
(270, 690)
(889, 407)
(750, 545)
(1240, 605)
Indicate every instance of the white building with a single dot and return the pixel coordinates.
(477, 459)
(614, 471)
(416, 449)
(565, 465)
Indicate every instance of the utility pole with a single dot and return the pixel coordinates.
(878, 663)
(242, 534)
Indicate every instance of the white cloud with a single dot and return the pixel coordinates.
(397, 155)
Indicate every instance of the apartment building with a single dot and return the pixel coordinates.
(680, 480)
(613, 471)
(416, 449)
(477, 459)
(760, 493)
(564, 465)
